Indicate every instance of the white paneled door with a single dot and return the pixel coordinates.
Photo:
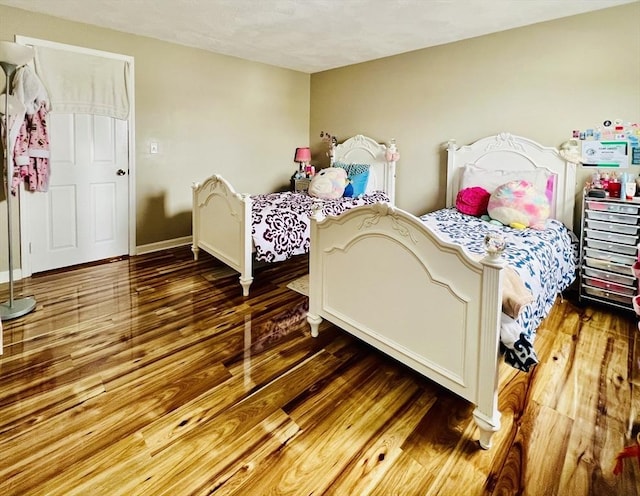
(84, 216)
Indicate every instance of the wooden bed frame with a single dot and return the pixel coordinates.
(428, 304)
(221, 217)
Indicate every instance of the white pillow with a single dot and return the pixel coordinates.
(491, 179)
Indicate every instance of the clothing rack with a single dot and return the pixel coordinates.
(12, 56)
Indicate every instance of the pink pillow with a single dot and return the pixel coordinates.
(551, 184)
(473, 201)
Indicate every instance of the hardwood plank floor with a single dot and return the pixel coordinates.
(152, 375)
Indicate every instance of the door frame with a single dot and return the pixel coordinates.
(25, 211)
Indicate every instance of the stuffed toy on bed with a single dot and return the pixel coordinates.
(328, 183)
(519, 205)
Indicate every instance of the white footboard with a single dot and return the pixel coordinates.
(380, 274)
(222, 226)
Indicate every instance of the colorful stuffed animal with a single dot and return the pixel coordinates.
(519, 205)
(328, 183)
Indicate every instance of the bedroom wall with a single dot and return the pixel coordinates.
(209, 113)
(540, 81)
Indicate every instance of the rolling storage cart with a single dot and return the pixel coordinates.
(608, 250)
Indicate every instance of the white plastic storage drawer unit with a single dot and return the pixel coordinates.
(614, 237)
(609, 256)
(617, 207)
(613, 227)
(610, 267)
(609, 217)
(609, 241)
(630, 250)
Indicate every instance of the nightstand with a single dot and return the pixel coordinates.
(301, 185)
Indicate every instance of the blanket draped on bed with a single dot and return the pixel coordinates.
(544, 260)
(281, 221)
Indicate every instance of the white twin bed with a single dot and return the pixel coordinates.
(428, 295)
(424, 299)
(232, 227)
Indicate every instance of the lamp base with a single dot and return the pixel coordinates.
(17, 308)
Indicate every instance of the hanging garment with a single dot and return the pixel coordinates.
(31, 149)
(79, 83)
(20, 157)
(28, 88)
(31, 153)
(16, 118)
(16, 123)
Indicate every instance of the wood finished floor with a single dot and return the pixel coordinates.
(154, 376)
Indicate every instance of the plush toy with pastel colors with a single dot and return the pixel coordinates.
(519, 205)
(328, 183)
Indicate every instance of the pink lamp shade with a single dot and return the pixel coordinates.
(302, 155)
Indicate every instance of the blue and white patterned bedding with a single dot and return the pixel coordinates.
(280, 222)
(544, 260)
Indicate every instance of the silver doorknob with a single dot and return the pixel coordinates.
(121, 172)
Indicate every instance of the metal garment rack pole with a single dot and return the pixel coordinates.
(12, 55)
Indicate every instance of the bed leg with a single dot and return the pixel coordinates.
(314, 322)
(195, 251)
(245, 283)
(488, 425)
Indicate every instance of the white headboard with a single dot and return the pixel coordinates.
(506, 151)
(363, 150)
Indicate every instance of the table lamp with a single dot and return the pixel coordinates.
(302, 157)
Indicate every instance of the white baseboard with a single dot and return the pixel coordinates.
(140, 250)
(4, 275)
(163, 245)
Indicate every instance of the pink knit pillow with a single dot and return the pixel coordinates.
(473, 201)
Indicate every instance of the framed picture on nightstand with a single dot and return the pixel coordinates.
(301, 185)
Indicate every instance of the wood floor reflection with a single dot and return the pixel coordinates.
(154, 376)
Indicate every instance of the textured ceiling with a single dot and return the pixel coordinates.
(311, 35)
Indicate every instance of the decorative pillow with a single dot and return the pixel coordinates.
(357, 184)
(357, 176)
(473, 201)
(328, 183)
(518, 204)
(551, 186)
(491, 179)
